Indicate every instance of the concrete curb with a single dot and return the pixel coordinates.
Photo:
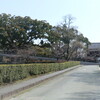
(14, 89)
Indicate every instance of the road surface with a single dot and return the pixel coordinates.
(82, 83)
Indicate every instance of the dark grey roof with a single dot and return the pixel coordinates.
(94, 46)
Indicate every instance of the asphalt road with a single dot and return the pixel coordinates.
(82, 83)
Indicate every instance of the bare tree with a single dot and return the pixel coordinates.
(57, 50)
(26, 54)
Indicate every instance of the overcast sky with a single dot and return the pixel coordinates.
(86, 12)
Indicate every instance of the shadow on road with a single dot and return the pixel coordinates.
(89, 78)
(84, 96)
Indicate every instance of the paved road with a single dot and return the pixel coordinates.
(90, 63)
(82, 83)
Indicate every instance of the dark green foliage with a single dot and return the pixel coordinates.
(22, 33)
(19, 32)
(11, 73)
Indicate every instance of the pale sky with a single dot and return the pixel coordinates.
(86, 12)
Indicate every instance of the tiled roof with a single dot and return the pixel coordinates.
(94, 46)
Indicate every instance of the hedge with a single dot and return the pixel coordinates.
(10, 72)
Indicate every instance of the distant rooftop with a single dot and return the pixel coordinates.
(94, 45)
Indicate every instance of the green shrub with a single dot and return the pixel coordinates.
(13, 72)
